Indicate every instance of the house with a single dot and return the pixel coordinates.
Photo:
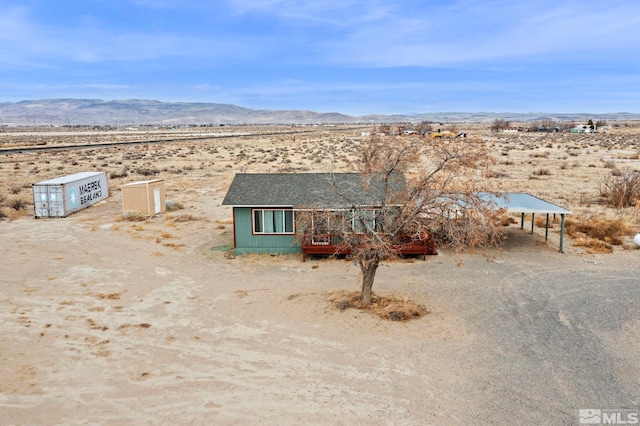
(265, 208)
(583, 128)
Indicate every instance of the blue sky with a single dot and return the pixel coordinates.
(351, 56)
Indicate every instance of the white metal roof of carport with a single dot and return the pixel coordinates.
(519, 202)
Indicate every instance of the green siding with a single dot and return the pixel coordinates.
(246, 242)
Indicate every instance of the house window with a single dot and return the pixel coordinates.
(272, 221)
(328, 221)
(358, 221)
(363, 221)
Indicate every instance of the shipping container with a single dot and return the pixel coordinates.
(145, 196)
(64, 195)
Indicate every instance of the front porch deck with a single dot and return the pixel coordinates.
(332, 244)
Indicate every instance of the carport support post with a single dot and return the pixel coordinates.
(522, 221)
(546, 229)
(533, 216)
(561, 233)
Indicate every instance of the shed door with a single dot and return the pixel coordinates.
(156, 201)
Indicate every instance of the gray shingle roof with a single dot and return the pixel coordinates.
(301, 190)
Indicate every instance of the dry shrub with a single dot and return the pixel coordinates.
(608, 231)
(173, 245)
(542, 172)
(136, 227)
(506, 220)
(388, 307)
(594, 245)
(242, 293)
(9, 213)
(621, 188)
(146, 171)
(131, 216)
(111, 296)
(541, 222)
(16, 203)
(185, 217)
(173, 206)
(121, 174)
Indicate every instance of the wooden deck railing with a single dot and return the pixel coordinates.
(333, 244)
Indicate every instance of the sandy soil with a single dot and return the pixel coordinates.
(112, 322)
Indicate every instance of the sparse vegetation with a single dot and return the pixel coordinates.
(17, 203)
(89, 284)
(607, 231)
(593, 245)
(621, 188)
(500, 124)
(388, 307)
(526, 161)
(146, 171)
(115, 175)
(542, 172)
(173, 206)
(131, 216)
(184, 217)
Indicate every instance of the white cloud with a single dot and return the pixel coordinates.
(348, 32)
(345, 13)
(477, 31)
(39, 46)
(15, 25)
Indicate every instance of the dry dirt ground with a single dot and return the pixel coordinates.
(115, 322)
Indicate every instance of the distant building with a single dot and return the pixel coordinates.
(583, 128)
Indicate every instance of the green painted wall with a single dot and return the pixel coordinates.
(246, 242)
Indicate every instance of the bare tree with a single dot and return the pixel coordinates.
(500, 124)
(452, 127)
(424, 128)
(566, 125)
(548, 124)
(416, 186)
(400, 128)
(384, 129)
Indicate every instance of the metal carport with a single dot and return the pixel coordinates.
(519, 202)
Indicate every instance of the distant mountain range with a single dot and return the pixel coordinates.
(61, 112)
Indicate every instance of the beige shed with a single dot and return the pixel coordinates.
(145, 196)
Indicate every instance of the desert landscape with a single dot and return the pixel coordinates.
(113, 321)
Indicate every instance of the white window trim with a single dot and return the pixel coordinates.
(262, 210)
(351, 218)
